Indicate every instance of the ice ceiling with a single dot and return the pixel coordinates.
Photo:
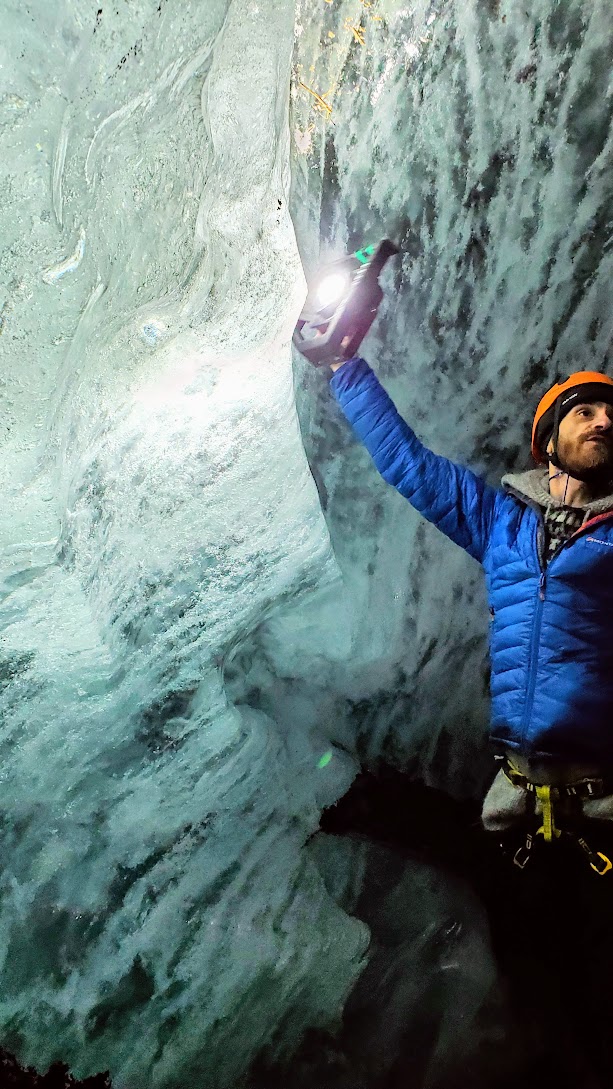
(212, 610)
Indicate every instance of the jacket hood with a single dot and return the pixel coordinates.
(534, 486)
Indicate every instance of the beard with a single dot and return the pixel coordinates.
(588, 460)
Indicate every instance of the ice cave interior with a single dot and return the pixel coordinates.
(216, 618)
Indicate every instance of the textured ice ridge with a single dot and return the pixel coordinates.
(158, 916)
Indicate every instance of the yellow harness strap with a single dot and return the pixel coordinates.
(548, 828)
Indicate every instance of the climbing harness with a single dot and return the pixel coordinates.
(548, 797)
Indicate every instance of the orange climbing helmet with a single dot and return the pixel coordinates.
(579, 388)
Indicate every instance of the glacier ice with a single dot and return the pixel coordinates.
(204, 633)
(161, 508)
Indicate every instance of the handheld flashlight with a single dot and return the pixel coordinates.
(342, 305)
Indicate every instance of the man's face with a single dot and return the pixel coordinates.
(585, 440)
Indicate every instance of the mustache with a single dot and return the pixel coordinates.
(604, 437)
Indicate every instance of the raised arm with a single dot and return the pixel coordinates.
(455, 499)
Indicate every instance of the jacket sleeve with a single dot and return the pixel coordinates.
(455, 499)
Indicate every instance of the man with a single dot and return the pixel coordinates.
(545, 540)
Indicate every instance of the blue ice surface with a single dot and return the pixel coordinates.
(202, 602)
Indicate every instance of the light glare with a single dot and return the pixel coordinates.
(332, 288)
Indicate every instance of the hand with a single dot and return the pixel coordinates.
(340, 362)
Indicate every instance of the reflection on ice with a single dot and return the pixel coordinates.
(69, 264)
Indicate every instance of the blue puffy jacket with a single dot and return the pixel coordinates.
(552, 629)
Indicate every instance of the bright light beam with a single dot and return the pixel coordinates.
(332, 288)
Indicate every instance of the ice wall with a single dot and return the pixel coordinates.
(185, 679)
(157, 916)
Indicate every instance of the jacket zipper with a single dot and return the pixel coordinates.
(542, 585)
(536, 625)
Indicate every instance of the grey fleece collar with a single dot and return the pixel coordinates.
(534, 485)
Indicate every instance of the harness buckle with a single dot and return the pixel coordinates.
(521, 857)
(600, 870)
(594, 857)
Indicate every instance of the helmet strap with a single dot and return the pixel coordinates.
(554, 457)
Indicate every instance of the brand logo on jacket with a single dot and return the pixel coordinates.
(598, 541)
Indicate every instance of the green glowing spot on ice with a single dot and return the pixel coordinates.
(325, 760)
